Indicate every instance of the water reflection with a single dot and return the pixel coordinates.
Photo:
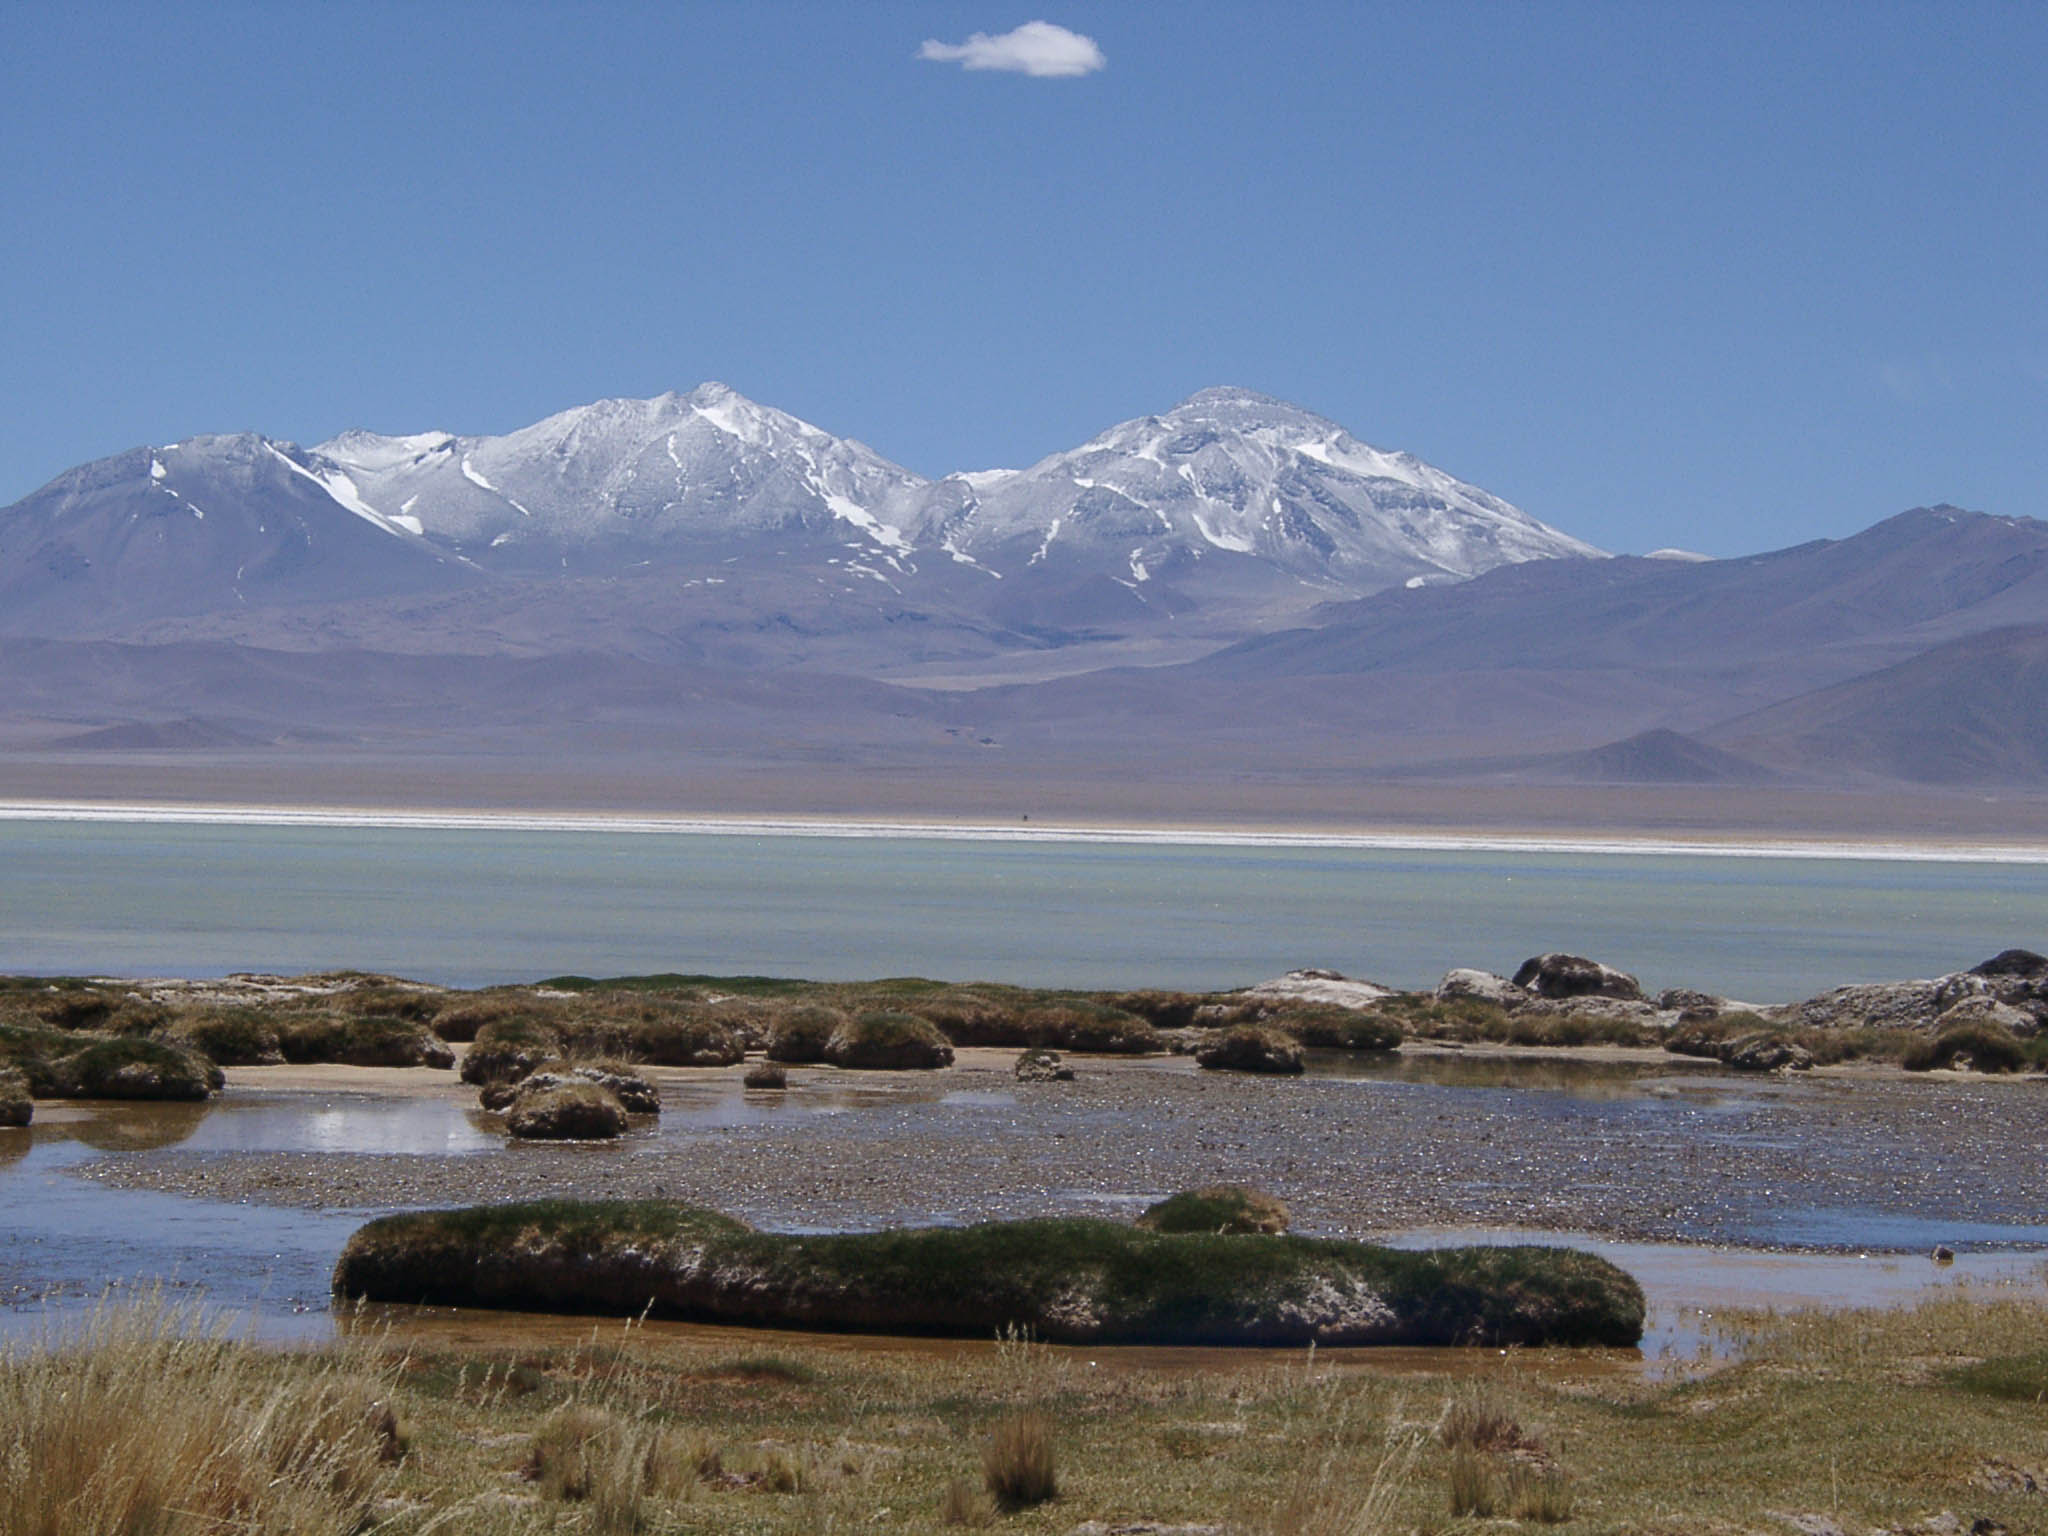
(127, 1126)
(1577, 1077)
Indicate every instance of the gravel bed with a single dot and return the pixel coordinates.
(1815, 1162)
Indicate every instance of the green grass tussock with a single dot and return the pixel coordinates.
(1072, 1278)
(1226, 1208)
(2009, 1378)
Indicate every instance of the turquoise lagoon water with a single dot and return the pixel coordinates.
(477, 905)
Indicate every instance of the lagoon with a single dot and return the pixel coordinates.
(479, 904)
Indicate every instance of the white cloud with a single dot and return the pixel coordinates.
(1036, 48)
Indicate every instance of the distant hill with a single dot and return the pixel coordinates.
(1974, 711)
(1652, 757)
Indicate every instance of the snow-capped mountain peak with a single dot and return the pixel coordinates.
(700, 468)
(1233, 472)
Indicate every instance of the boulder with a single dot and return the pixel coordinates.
(1766, 1053)
(1689, 1001)
(1321, 987)
(639, 1096)
(548, 1107)
(1988, 1010)
(1480, 986)
(1041, 1066)
(16, 1108)
(1563, 976)
(2021, 963)
(1618, 1009)
(769, 1075)
(1250, 1048)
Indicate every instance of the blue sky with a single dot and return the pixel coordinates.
(1719, 276)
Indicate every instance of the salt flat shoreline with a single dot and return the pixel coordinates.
(1638, 845)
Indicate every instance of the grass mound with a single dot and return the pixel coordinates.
(2010, 1378)
(888, 1042)
(801, 1034)
(508, 1048)
(1162, 1010)
(233, 1037)
(1343, 1029)
(1224, 1208)
(661, 1031)
(1072, 1279)
(360, 1040)
(65, 1066)
(1015, 1017)
(461, 1020)
(16, 1107)
(1981, 1047)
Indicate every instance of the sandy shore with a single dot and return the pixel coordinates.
(1620, 1144)
(1249, 834)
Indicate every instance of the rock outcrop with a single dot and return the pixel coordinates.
(1480, 986)
(1560, 976)
(1317, 986)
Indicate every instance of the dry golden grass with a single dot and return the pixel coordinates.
(1017, 1464)
(153, 1428)
(147, 1423)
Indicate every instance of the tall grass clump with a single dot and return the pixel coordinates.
(1017, 1463)
(1337, 1491)
(612, 1465)
(147, 1423)
(1469, 1482)
(1542, 1494)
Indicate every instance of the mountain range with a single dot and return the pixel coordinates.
(1236, 591)
(705, 528)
